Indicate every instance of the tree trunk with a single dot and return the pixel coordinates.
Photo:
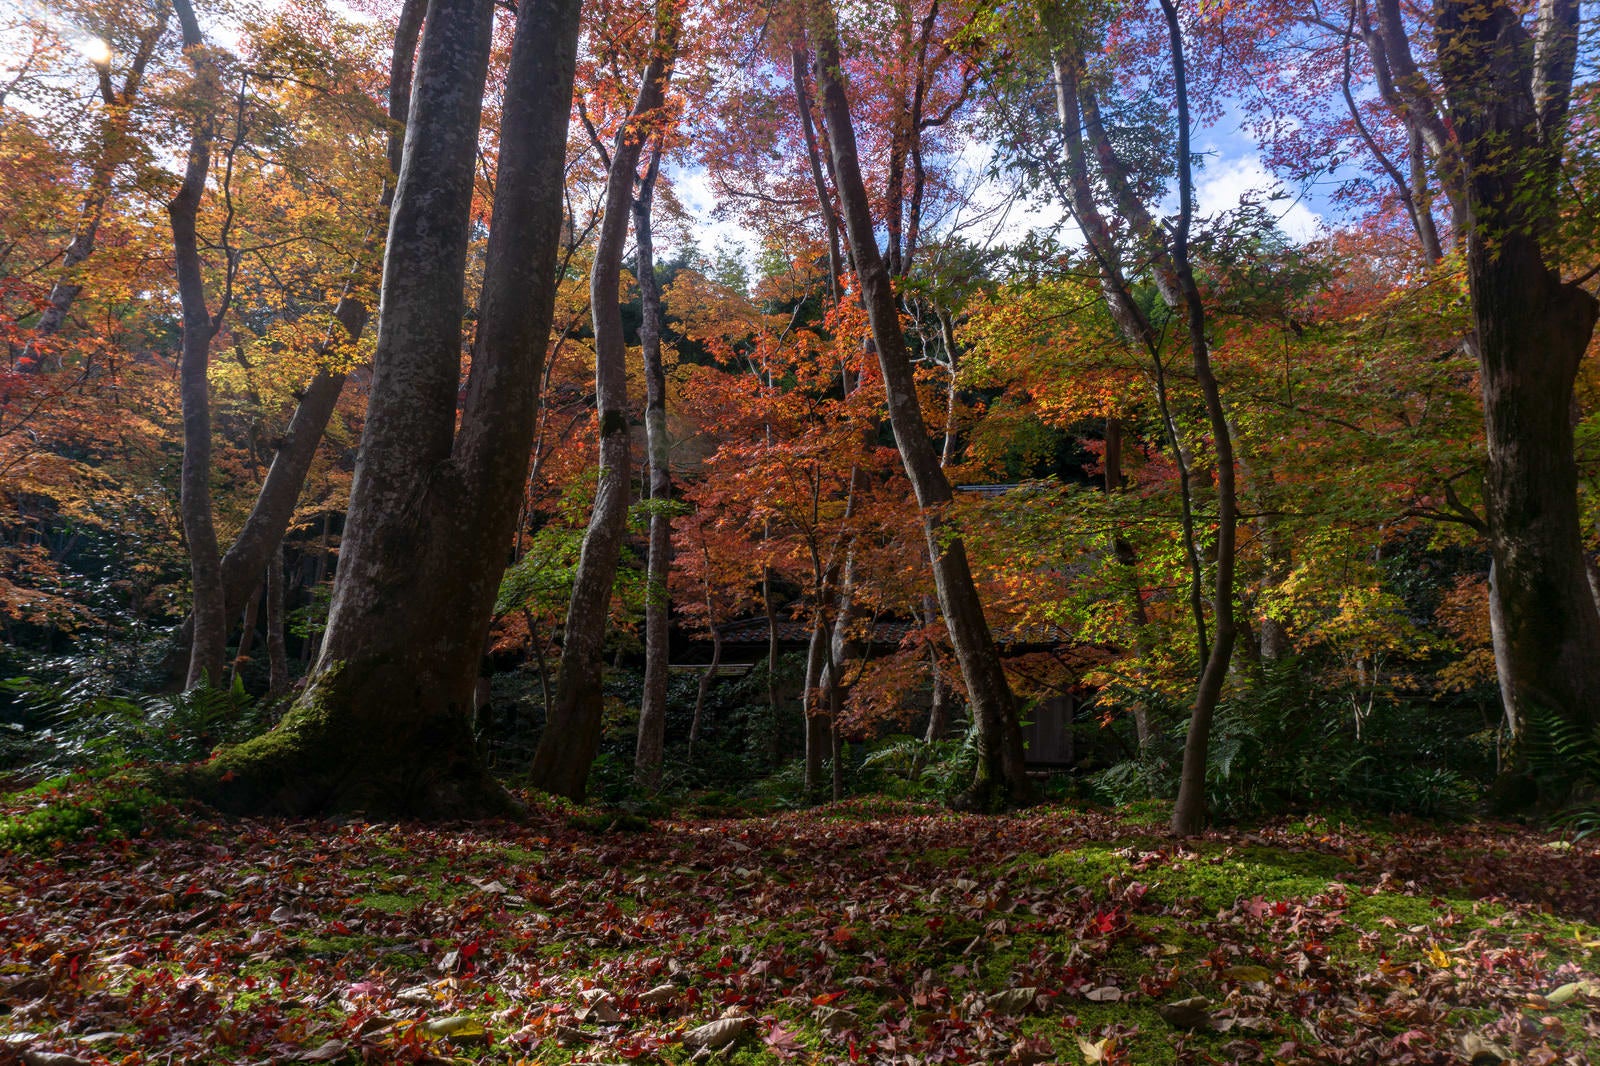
(705, 683)
(383, 726)
(1508, 94)
(657, 604)
(247, 634)
(830, 221)
(571, 735)
(262, 533)
(1189, 812)
(199, 327)
(816, 716)
(772, 639)
(1001, 777)
(277, 654)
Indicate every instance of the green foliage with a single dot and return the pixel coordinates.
(1565, 762)
(82, 725)
(1285, 743)
(912, 768)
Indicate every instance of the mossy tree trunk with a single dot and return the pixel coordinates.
(383, 726)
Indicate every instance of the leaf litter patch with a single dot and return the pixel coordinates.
(859, 933)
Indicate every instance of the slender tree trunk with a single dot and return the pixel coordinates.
(384, 724)
(830, 221)
(772, 642)
(269, 517)
(199, 327)
(1078, 115)
(815, 709)
(277, 654)
(247, 634)
(657, 605)
(705, 682)
(1001, 777)
(572, 732)
(1189, 812)
(939, 698)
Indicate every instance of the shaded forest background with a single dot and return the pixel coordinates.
(1278, 522)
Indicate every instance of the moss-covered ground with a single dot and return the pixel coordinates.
(862, 932)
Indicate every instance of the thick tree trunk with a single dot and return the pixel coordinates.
(1001, 777)
(657, 605)
(384, 724)
(1508, 93)
(571, 735)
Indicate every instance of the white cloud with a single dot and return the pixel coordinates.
(1224, 184)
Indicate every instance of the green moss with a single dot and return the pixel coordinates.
(389, 903)
(99, 806)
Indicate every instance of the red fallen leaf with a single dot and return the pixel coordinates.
(783, 1041)
(826, 998)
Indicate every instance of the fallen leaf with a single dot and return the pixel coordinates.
(1249, 974)
(1097, 1050)
(456, 1027)
(1188, 1013)
(716, 1035)
(1013, 1000)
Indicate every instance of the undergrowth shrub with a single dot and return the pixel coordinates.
(1564, 760)
(912, 768)
(1286, 743)
(80, 725)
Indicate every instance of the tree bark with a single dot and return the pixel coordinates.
(1189, 812)
(1507, 93)
(209, 646)
(383, 726)
(1001, 777)
(571, 735)
(657, 605)
(277, 654)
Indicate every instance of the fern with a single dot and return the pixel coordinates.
(1564, 759)
(81, 726)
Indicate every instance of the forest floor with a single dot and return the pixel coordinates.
(869, 931)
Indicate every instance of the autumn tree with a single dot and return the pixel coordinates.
(1000, 777)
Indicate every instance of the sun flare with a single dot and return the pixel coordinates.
(96, 50)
